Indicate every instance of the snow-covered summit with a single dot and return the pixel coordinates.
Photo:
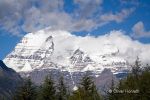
(56, 49)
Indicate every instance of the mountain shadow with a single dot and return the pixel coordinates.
(9, 81)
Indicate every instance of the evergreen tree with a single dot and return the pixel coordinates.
(62, 90)
(26, 91)
(95, 93)
(144, 85)
(48, 90)
(136, 68)
(86, 91)
(111, 94)
(136, 83)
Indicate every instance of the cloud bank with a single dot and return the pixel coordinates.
(18, 16)
(128, 48)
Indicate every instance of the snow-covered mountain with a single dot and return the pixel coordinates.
(58, 53)
(51, 49)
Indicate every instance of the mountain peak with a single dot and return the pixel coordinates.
(49, 38)
(56, 49)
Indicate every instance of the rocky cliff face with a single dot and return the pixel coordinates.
(45, 51)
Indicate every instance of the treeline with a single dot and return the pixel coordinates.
(50, 91)
(136, 86)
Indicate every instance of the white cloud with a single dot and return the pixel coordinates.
(33, 15)
(87, 7)
(131, 2)
(118, 17)
(139, 30)
(128, 48)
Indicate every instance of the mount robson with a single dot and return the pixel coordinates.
(58, 52)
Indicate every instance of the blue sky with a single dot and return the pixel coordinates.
(80, 17)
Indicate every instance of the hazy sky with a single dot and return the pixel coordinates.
(80, 17)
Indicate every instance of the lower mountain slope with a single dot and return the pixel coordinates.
(9, 81)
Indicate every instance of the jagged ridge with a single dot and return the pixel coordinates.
(47, 49)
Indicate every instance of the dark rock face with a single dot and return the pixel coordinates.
(9, 80)
(72, 79)
(104, 81)
(38, 76)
